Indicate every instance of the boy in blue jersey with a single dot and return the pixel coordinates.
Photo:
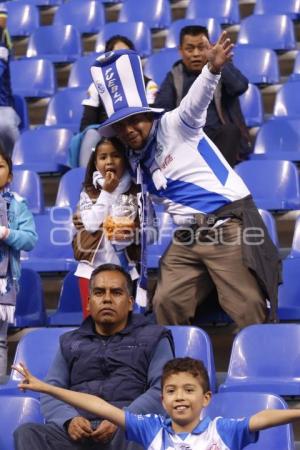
(185, 392)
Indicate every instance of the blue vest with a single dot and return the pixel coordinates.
(112, 367)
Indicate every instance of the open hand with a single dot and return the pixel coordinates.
(29, 381)
(220, 53)
(111, 181)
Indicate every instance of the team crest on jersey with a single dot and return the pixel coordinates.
(159, 149)
(101, 88)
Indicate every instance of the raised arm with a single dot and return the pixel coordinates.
(193, 107)
(273, 417)
(90, 403)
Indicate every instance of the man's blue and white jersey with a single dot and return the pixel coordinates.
(154, 432)
(199, 178)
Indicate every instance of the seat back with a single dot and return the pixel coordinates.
(195, 343)
(42, 343)
(55, 42)
(38, 77)
(17, 411)
(259, 65)
(265, 358)
(212, 25)
(69, 309)
(296, 240)
(245, 404)
(159, 63)
(69, 188)
(279, 139)
(274, 31)
(226, 11)
(252, 106)
(289, 7)
(138, 32)
(22, 18)
(65, 109)
(30, 309)
(80, 75)
(289, 291)
(279, 191)
(287, 102)
(32, 149)
(87, 16)
(28, 185)
(43, 2)
(156, 15)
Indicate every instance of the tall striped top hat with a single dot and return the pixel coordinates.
(119, 80)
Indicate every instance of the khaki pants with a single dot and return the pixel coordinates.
(188, 273)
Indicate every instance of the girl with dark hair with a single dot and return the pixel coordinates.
(17, 232)
(99, 238)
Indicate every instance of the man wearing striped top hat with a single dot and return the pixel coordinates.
(221, 240)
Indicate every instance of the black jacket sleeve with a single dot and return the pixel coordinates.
(166, 96)
(233, 81)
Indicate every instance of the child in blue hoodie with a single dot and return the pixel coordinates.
(17, 232)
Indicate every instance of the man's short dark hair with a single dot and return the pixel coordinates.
(192, 30)
(112, 268)
(189, 365)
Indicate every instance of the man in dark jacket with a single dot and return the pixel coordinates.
(114, 354)
(225, 124)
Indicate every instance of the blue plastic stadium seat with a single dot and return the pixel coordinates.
(245, 404)
(259, 65)
(279, 190)
(59, 44)
(42, 149)
(289, 291)
(138, 32)
(156, 15)
(27, 184)
(80, 75)
(69, 188)
(87, 16)
(212, 25)
(296, 70)
(17, 410)
(278, 139)
(53, 251)
(226, 11)
(160, 63)
(36, 350)
(43, 2)
(195, 343)
(65, 109)
(269, 31)
(289, 7)
(69, 310)
(30, 309)
(295, 251)
(252, 106)
(38, 77)
(287, 102)
(22, 18)
(20, 106)
(164, 230)
(265, 358)
(270, 223)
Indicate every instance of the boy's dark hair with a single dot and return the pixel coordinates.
(6, 158)
(193, 366)
(91, 165)
(111, 42)
(112, 268)
(192, 30)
